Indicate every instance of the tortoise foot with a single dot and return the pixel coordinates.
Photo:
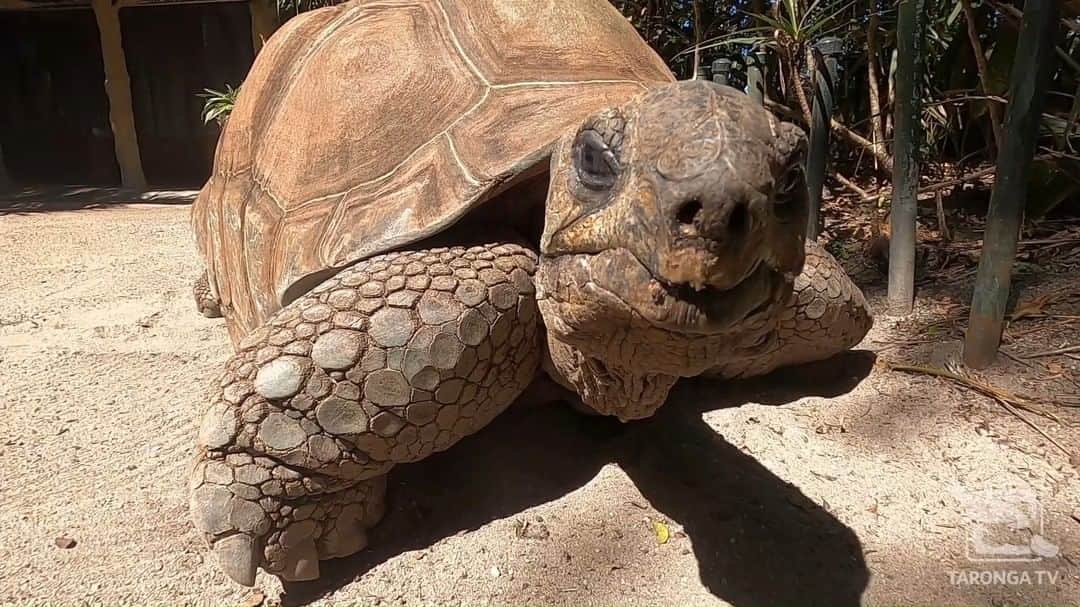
(207, 304)
(256, 512)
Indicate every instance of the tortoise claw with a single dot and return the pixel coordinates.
(302, 562)
(238, 557)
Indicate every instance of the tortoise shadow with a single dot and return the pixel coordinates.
(757, 538)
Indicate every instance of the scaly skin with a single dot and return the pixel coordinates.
(208, 305)
(673, 247)
(393, 359)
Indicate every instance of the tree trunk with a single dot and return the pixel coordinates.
(1027, 97)
(797, 86)
(905, 157)
(118, 90)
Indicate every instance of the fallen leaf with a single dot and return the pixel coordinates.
(662, 532)
(64, 542)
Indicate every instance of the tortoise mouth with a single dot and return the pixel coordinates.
(615, 277)
(684, 308)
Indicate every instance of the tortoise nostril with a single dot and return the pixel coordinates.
(739, 220)
(689, 212)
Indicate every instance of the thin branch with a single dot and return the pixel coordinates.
(1016, 16)
(1068, 350)
(943, 224)
(877, 122)
(860, 141)
(698, 34)
(847, 183)
(941, 185)
(984, 70)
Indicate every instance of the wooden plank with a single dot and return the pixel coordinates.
(118, 89)
(31, 5)
(1027, 96)
(5, 180)
(25, 5)
(127, 3)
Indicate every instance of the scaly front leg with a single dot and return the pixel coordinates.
(393, 359)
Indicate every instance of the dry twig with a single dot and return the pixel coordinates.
(984, 70)
(1066, 350)
(1010, 402)
(849, 184)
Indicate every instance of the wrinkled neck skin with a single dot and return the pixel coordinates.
(618, 362)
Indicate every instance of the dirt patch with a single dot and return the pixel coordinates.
(835, 484)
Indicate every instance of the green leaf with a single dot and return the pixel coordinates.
(218, 104)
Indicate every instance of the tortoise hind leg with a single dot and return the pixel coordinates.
(205, 300)
(825, 315)
(393, 359)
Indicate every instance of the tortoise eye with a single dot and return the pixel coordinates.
(790, 182)
(596, 164)
(791, 186)
(790, 193)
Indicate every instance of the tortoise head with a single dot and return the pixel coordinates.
(683, 210)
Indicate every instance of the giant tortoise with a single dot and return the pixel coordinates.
(418, 206)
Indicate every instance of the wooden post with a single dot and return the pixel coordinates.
(906, 136)
(118, 90)
(721, 68)
(755, 74)
(1027, 96)
(5, 179)
(821, 113)
(264, 21)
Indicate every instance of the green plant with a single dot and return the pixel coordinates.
(218, 104)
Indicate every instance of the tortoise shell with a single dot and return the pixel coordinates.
(373, 124)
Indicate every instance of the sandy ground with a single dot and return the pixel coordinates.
(839, 484)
